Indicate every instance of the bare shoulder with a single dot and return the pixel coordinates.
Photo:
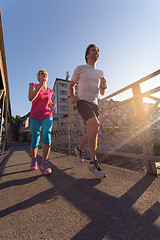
(31, 86)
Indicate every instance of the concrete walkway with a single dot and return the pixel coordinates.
(71, 204)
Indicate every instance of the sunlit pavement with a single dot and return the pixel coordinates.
(71, 204)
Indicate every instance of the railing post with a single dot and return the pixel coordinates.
(1, 120)
(69, 137)
(144, 131)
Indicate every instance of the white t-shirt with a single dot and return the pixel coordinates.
(88, 79)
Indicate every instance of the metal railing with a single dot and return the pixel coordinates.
(129, 128)
(5, 107)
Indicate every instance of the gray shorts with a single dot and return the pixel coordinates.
(87, 110)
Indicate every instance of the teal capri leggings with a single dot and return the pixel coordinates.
(35, 126)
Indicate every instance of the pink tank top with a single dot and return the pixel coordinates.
(41, 105)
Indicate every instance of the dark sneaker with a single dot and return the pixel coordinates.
(46, 168)
(95, 168)
(33, 164)
(78, 154)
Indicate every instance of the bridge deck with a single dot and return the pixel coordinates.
(72, 204)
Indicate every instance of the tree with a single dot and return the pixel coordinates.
(15, 127)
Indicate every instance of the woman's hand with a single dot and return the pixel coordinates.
(41, 81)
(53, 105)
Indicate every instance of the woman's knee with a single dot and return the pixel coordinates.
(47, 138)
(35, 138)
(34, 144)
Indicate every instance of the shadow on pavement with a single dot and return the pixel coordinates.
(110, 216)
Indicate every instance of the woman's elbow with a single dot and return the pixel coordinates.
(30, 99)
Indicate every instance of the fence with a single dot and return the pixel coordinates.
(5, 107)
(129, 128)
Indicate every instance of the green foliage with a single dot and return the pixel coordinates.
(156, 149)
(15, 127)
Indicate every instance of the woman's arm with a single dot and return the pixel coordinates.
(33, 92)
(53, 105)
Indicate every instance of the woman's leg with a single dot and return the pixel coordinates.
(34, 152)
(45, 151)
(47, 128)
(35, 126)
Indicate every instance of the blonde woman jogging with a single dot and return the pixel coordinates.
(41, 117)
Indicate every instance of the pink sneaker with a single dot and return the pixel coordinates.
(34, 164)
(46, 168)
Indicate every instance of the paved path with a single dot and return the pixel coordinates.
(72, 204)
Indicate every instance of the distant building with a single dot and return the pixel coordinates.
(24, 129)
(61, 98)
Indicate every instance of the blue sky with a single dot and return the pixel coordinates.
(53, 34)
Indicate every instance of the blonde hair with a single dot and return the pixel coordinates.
(42, 70)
